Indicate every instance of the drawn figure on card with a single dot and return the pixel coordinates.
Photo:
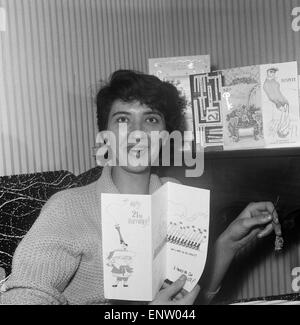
(120, 261)
(272, 90)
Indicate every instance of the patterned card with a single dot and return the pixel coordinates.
(206, 94)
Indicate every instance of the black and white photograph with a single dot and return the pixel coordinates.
(150, 155)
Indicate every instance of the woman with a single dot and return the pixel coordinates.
(59, 261)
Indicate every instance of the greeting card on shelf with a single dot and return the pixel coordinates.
(280, 102)
(260, 106)
(242, 109)
(147, 239)
(177, 70)
(206, 95)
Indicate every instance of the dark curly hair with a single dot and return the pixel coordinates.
(129, 85)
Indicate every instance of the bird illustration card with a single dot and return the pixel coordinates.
(177, 71)
(280, 102)
(147, 239)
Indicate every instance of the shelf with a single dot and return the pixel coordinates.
(219, 153)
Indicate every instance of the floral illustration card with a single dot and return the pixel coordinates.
(243, 117)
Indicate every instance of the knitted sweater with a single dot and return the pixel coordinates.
(59, 261)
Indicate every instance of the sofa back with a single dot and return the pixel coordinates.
(21, 200)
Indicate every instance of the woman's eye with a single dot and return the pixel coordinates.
(152, 119)
(122, 119)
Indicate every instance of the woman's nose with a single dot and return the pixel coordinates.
(137, 136)
(137, 132)
(136, 125)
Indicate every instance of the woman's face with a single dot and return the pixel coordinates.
(132, 123)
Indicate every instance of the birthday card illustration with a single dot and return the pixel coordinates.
(148, 239)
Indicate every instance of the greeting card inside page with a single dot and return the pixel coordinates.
(127, 247)
(187, 232)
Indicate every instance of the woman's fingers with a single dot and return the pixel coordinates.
(249, 223)
(165, 285)
(248, 238)
(174, 294)
(174, 288)
(256, 209)
(179, 295)
(266, 231)
(258, 213)
(260, 210)
(265, 208)
(262, 206)
(191, 296)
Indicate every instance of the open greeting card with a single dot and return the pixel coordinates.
(147, 239)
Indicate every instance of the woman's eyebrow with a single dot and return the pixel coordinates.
(121, 112)
(153, 112)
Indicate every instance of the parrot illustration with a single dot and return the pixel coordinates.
(272, 89)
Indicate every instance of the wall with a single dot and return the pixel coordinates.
(52, 56)
(235, 32)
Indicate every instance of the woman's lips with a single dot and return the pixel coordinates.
(136, 148)
(136, 151)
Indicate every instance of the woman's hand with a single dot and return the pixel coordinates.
(174, 294)
(254, 221)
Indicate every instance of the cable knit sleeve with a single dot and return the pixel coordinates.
(46, 258)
